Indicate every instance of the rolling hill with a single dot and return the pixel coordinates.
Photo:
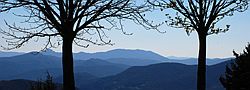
(34, 66)
(15, 65)
(163, 76)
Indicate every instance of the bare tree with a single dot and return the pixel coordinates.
(200, 16)
(70, 22)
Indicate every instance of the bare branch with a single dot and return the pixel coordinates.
(72, 19)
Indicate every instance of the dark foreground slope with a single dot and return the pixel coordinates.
(16, 85)
(21, 84)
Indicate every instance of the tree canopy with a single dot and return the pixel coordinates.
(237, 75)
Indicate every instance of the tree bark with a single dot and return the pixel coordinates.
(67, 62)
(201, 72)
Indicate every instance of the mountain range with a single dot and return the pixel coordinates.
(112, 70)
(125, 56)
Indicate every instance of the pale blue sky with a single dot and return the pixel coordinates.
(174, 42)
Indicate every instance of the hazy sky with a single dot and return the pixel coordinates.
(174, 42)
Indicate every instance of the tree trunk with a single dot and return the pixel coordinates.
(68, 67)
(201, 72)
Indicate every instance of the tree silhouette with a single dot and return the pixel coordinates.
(70, 22)
(200, 16)
(237, 75)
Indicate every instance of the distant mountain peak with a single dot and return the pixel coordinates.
(129, 50)
(95, 60)
(49, 50)
(33, 53)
